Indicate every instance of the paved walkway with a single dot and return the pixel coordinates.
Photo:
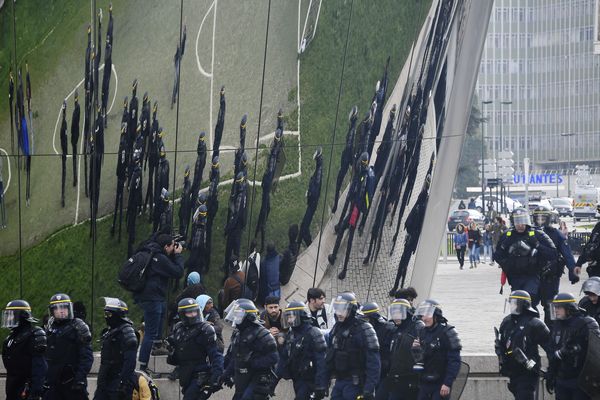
(471, 301)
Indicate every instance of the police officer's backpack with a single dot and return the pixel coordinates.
(132, 274)
(252, 277)
(154, 392)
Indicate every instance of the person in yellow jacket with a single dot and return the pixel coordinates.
(145, 388)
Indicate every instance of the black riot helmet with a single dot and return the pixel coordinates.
(163, 151)
(61, 307)
(189, 311)
(16, 312)
(155, 108)
(202, 136)
(244, 159)
(222, 93)
(239, 180)
(399, 310)
(371, 310)
(430, 308)
(542, 216)
(520, 302)
(201, 198)
(186, 171)
(137, 156)
(164, 194)
(591, 286)
(125, 102)
(115, 311)
(353, 114)
(145, 98)
(345, 306)
(215, 162)
(318, 156)
(295, 314)
(134, 87)
(243, 314)
(393, 112)
(278, 136)
(202, 212)
(364, 160)
(520, 216)
(563, 306)
(244, 121)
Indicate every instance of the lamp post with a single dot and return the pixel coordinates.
(568, 135)
(483, 102)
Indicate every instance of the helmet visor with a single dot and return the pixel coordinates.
(61, 310)
(425, 310)
(515, 306)
(540, 219)
(591, 286)
(397, 311)
(10, 318)
(557, 312)
(341, 308)
(521, 219)
(238, 315)
(112, 303)
(292, 317)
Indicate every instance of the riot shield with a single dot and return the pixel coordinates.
(460, 382)
(589, 378)
(279, 164)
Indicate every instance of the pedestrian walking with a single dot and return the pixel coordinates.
(461, 240)
(475, 241)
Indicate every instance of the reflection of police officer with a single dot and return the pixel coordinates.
(200, 163)
(517, 341)
(568, 346)
(194, 341)
(220, 122)
(552, 271)
(64, 151)
(161, 182)
(116, 377)
(23, 352)
(212, 204)
(166, 213)
(591, 251)
(75, 134)
(152, 156)
(69, 353)
(133, 114)
(185, 205)
(121, 179)
(312, 199)
(398, 379)
(353, 352)
(253, 355)
(347, 156)
(522, 252)
(134, 202)
(303, 356)
(197, 260)
(145, 123)
(437, 350)
(589, 303)
(359, 201)
(236, 221)
(240, 151)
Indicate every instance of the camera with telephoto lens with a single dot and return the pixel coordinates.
(179, 241)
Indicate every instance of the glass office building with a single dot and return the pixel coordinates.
(543, 78)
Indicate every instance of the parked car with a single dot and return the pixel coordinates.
(510, 203)
(563, 205)
(464, 217)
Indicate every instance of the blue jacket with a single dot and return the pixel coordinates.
(270, 272)
(460, 239)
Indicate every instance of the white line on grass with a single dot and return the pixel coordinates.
(202, 71)
(9, 175)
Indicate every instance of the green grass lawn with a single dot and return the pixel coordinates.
(379, 29)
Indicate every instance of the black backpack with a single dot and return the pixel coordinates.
(133, 272)
(252, 277)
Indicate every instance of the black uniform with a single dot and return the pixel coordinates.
(185, 206)
(133, 203)
(591, 253)
(166, 216)
(145, 125)
(116, 376)
(69, 358)
(87, 106)
(524, 332)
(121, 179)
(64, 151)
(97, 155)
(75, 136)
(199, 166)
(347, 157)
(133, 118)
(196, 353)
(220, 123)
(106, 79)
(239, 152)
(198, 260)
(253, 357)
(312, 201)
(23, 357)
(591, 309)
(11, 96)
(152, 156)
(161, 182)
(236, 222)
(213, 206)
(521, 256)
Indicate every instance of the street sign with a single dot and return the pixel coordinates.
(506, 162)
(490, 175)
(488, 161)
(505, 154)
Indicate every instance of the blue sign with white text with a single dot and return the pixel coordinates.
(538, 179)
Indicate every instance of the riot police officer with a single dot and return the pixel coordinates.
(152, 156)
(436, 351)
(353, 352)
(116, 377)
(591, 251)
(312, 199)
(303, 356)
(398, 379)
(220, 122)
(75, 117)
(195, 352)
(161, 182)
(200, 163)
(23, 352)
(569, 337)
(552, 271)
(185, 205)
(359, 200)
(522, 252)
(121, 179)
(253, 355)
(240, 151)
(166, 212)
(347, 156)
(133, 115)
(590, 303)
(134, 202)
(517, 341)
(64, 150)
(145, 123)
(372, 314)
(69, 354)
(236, 221)
(197, 260)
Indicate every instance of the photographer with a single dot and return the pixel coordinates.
(166, 263)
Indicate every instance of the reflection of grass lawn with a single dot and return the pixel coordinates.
(63, 262)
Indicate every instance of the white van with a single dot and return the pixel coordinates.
(585, 200)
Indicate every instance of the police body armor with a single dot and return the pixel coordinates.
(162, 176)
(572, 335)
(591, 309)
(314, 186)
(114, 342)
(243, 352)
(520, 262)
(122, 159)
(62, 354)
(400, 376)
(297, 346)
(345, 360)
(20, 346)
(556, 268)
(515, 334)
(189, 352)
(435, 350)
